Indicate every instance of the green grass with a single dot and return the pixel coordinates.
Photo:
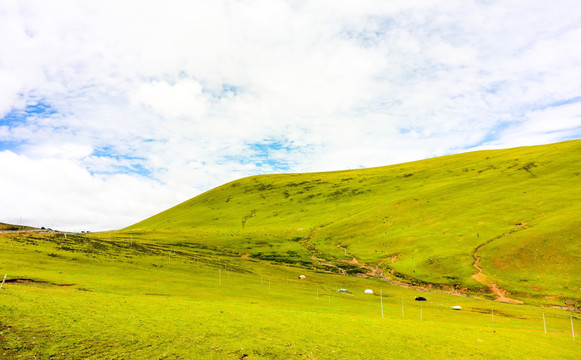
(10, 227)
(112, 298)
(419, 221)
(217, 276)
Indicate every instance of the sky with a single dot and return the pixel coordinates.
(112, 111)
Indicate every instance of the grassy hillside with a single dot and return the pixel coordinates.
(217, 276)
(11, 227)
(109, 297)
(420, 222)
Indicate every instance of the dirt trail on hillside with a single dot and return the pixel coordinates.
(379, 273)
(344, 249)
(501, 294)
(307, 244)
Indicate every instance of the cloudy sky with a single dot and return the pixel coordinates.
(112, 111)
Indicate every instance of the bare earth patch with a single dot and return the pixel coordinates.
(501, 294)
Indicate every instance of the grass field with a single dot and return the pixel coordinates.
(216, 277)
(111, 298)
(419, 222)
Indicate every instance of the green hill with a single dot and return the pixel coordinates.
(518, 211)
(103, 296)
(217, 277)
(12, 227)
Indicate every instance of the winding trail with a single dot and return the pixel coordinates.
(307, 244)
(344, 249)
(501, 294)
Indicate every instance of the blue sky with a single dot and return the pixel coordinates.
(116, 123)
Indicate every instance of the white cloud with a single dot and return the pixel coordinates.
(543, 126)
(62, 194)
(171, 98)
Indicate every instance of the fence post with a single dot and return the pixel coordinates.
(544, 323)
(381, 300)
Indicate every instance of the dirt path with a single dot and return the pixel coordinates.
(501, 294)
(379, 273)
(307, 244)
(344, 249)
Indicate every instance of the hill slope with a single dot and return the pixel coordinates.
(517, 211)
(101, 296)
(12, 227)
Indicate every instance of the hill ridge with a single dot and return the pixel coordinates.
(420, 222)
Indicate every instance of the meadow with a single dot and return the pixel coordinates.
(420, 223)
(217, 277)
(103, 297)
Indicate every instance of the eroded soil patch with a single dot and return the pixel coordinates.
(31, 281)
